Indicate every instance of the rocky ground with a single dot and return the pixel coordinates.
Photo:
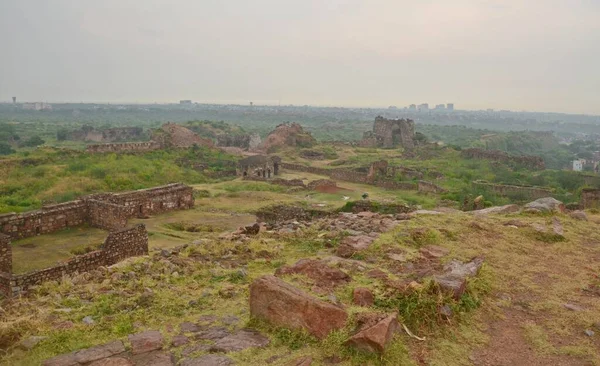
(502, 286)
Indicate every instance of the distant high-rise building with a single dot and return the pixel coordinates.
(412, 107)
(423, 107)
(185, 101)
(440, 107)
(450, 106)
(14, 100)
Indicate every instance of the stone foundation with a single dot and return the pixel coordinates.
(512, 190)
(528, 161)
(117, 246)
(127, 147)
(428, 187)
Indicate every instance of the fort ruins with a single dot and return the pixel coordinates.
(390, 133)
(108, 211)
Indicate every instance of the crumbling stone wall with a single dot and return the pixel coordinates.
(5, 254)
(259, 166)
(277, 181)
(89, 133)
(144, 202)
(123, 147)
(117, 246)
(428, 187)
(280, 213)
(513, 190)
(381, 207)
(98, 210)
(528, 161)
(106, 215)
(49, 219)
(321, 183)
(390, 133)
(590, 198)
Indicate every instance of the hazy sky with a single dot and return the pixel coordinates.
(539, 55)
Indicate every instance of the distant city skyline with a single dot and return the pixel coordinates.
(539, 55)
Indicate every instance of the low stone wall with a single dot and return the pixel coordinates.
(98, 210)
(118, 245)
(428, 187)
(406, 186)
(106, 215)
(590, 198)
(123, 147)
(305, 169)
(508, 190)
(44, 221)
(277, 181)
(280, 213)
(5, 254)
(320, 184)
(371, 206)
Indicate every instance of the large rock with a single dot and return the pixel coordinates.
(319, 271)
(282, 304)
(454, 278)
(375, 338)
(113, 361)
(245, 338)
(362, 296)
(87, 355)
(154, 358)
(208, 360)
(579, 215)
(147, 341)
(351, 245)
(498, 210)
(547, 204)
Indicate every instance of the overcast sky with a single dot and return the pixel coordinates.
(537, 55)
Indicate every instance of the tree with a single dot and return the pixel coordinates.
(62, 134)
(5, 149)
(33, 141)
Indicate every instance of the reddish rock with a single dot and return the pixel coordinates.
(87, 355)
(319, 271)
(375, 338)
(377, 274)
(282, 304)
(241, 340)
(179, 340)
(454, 278)
(302, 361)
(362, 296)
(154, 358)
(147, 341)
(187, 327)
(434, 251)
(113, 361)
(213, 333)
(208, 360)
(351, 245)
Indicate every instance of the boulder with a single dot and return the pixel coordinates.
(245, 338)
(154, 358)
(454, 278)
(212, 333)
(351, 245)
(579, 215)
(282, 304)
(547, 204)
(362, 296)
(179, 340)
(507, 209)
(318, 271)
(375, 338)
(147, 341)
(434, 251)
(87, 355)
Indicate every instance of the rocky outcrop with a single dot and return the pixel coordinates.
(171, 135)
(318, 271)
(287, 134)
(282, 304)
(362, 296)
(454, 278)
(506, 209)
(546, 205)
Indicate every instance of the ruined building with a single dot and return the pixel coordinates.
(390, 133)
(259, 166)
(287, 134)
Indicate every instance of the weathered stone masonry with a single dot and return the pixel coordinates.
(590, 198)
(105, 211)
(512, 190)
(118, 245)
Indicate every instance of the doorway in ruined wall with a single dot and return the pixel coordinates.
(275, 168)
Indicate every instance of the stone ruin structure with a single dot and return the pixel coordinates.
(531, 162)
(259, 166)
(169, 135)
(590, 198)
(244, 142)
(390, 133)
(287, 134)
(89, 133)
(106, 211)
(527, 192)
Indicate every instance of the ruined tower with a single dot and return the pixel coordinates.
(390, 133)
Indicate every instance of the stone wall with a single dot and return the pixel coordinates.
(106, 215)
(390, 133)
(107, 211)
(5, 254)
(123, 147)
(280, 213)
(118, 245)
(144, 202)
(44, 221)
(512, 190)
(590, 198)
(528, 161)
(371, 206)
(428, 187)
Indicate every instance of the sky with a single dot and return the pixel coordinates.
(535, 55)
